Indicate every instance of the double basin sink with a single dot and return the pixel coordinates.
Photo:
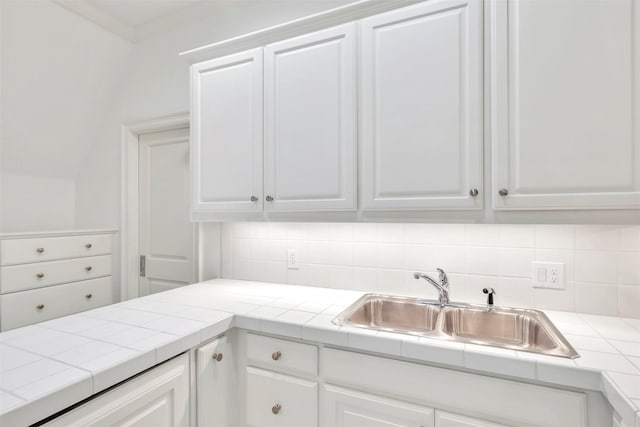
(504, 327)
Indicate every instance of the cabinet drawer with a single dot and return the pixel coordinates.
(27, 307)
(21, 251)
(276, 400)
(282, 355)
(15, 278)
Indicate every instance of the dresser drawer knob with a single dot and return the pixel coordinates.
(40, 306)
(88, 296)
(276, 355)
(276, 409)
(88, 245)
(217, 357)
(40, 275)
(88, 268)
(40, 250)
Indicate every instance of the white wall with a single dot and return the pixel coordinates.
(36, 203)
(602, 263)
(58, 77)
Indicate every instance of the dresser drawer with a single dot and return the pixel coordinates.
(276, 400)
(36, 305)
(14, 278)
(21, 251)
(282, 355)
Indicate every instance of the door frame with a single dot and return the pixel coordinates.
(129, 248)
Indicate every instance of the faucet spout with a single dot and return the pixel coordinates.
(442, 285)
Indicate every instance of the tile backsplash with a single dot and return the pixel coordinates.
(602, 263)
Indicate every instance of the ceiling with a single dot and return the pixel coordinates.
(134, 20)
(139, 12)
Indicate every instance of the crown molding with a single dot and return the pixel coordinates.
(100, 18)
(297, 27)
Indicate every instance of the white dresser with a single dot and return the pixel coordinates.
(49, 275)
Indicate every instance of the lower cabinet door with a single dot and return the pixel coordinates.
(348, 408)
(276, 400)
(447, 419)
(157, 398)
(214, 372)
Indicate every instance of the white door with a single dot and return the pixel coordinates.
(421, 116)
(214, 378)
(447, 419)
(310, 121)
(166, 237)
(226, 123)
(565, 76)
(349, 408)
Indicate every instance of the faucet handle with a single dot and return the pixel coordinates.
(444, 280)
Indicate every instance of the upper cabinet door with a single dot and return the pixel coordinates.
(421, 117)
(565, 93)
(310, 122)
(226, 138)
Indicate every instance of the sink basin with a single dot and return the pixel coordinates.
(512, 328)
(393, 314)
(504, 327)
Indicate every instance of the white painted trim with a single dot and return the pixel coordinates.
(100, 18)
(294, 28)
(57, 233)
(129, 137)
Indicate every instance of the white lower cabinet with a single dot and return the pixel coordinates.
(342, 407)
(158, 398)
(447, 419)
(277, 400)
(214, 384)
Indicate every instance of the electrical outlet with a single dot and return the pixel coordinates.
(549, 275)
(292, 259)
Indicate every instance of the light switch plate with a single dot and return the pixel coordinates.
(548, 275)
(293, 263)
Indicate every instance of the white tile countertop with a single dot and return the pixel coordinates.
(47, 367)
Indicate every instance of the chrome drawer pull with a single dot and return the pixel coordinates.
(276, 355)
(40, 275)
(276, 409)
(88, 296)
(88, 246)
(40, 306)
(40, 250)
(88, 268)
(217, 357)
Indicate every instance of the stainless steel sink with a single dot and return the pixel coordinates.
(504, 327)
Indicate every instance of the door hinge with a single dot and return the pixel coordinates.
(143, 265)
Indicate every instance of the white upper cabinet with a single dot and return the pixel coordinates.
(226, 123)
(565, 94)
(421, 110)
(310, 121)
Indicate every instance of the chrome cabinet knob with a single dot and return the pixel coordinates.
(276, 409)
(88, 245)
(276, 355)
(40, 250)
(88, 296)
(503, 192)
(269, 199)
(40, 275)
(88, 268)
(254, 199)
(40, 306)
(217, 357)
(474, 192)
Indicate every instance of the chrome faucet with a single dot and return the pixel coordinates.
(442, 286)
